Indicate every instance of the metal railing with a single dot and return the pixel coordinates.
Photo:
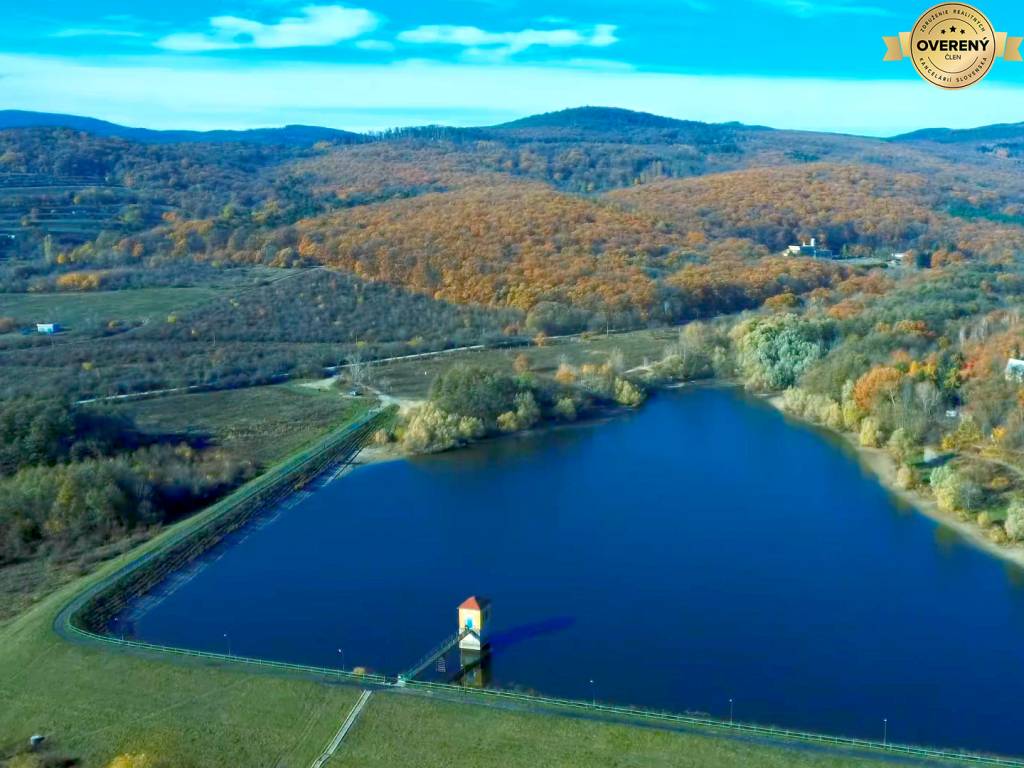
(95, 606)
(438, 650)
(327, 673)
(647, 715)
(315, 460)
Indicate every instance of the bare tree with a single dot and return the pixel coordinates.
(358, 368)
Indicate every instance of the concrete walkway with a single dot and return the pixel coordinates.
(353, 715)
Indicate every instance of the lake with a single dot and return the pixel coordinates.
(700, 549)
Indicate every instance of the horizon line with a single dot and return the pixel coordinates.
(454, 126)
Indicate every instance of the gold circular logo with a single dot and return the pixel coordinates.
(953, 45)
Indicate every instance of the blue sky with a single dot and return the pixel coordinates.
(378, 63)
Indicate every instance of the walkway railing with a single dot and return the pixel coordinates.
(339, 447)
(431, 656)
(95, 606)
(638, 714)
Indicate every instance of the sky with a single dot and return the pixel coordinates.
(374, 64)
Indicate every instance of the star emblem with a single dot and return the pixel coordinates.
(952, 29)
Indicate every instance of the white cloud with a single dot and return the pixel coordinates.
(375, 45)
(219, 94)
(95, 32)
(319, 25)
(479, 41)
(809, 8)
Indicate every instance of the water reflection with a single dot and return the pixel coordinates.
(697, 550)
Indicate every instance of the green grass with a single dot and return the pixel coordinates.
(77, 310)
(261, 424)
(404, 730)
(412, 378)
(93, 704)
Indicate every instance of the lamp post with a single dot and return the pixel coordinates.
(341, 652)
(885, 731)
(226, 637)
(730, 711)
(593, 696)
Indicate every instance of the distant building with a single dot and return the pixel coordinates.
(48, 328)
(474, 620)
(1014, 370)
(810, 249)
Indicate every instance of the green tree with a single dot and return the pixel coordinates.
(1015, 520)
(773, 352)
(474, 391)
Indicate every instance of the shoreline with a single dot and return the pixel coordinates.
(876, 460)
(883, 467)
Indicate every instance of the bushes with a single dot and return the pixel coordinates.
(474, 391)
(37, 431)
(870, 433)
(1015, 520)
(813, 407)
(565, 408)
(74, 505)
(525, 415)
(468, 402)
(953, 492)
(627, 393)
(429, 428)
(773, 352)
(900, 445)
(905, 478)
(700, 352)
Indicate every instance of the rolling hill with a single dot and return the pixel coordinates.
(289, 135)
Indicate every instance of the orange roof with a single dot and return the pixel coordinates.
(474, 603)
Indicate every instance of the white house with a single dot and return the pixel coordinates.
(1014, 370)
(810, 249)
(48, 328)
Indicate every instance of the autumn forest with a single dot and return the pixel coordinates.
(299, 256)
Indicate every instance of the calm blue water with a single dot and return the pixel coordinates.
(700, 549)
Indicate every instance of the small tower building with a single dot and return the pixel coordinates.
(474, 622)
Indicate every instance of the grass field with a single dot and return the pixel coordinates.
(75, 310)
(87, 310)
(262, 424)
(402, 730)
(412, 378)
(94, 704)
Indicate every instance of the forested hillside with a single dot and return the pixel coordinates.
(588, 218)
(856, 208)
(219, 262)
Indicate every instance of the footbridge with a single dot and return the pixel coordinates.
(431, 657)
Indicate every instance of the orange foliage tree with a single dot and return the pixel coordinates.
(880, 381)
